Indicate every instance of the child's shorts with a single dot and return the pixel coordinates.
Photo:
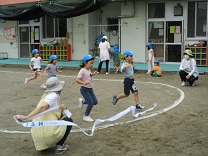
(36, 69)
(155, 74)
(117, 64)
(129, 86)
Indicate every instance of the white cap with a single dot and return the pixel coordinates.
(105, 37)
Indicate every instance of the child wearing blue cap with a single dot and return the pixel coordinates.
(129, 85)
(52, 68)
(35, 61)
(116, 59)
(84, 78)
(156, 72)
(151, 58)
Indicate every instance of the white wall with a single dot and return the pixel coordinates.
(93, 32)
(133, 30)
(112, 10)
(80, 42)
(169, 10)
(12, 50)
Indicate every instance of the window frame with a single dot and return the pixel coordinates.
(195, 22)
(56, 27)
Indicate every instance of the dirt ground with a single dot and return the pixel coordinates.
(181, 131)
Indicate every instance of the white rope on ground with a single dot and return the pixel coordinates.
(131, 109)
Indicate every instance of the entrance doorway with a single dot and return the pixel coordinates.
(166, 38)
(174, 40)
(29, 37)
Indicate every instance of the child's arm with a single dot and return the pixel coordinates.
(94, 73)
(59, 71)
(79, 81)
(46, 62)
(30, 65)
(125, 67)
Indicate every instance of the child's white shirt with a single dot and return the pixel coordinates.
(36, 62)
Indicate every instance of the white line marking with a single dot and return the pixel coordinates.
(176, 103)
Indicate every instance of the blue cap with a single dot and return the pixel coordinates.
(128, 53)
(157, 61)
(53, 57)
(86, 58)
(115, 48)
(149, 45)
(34, 51)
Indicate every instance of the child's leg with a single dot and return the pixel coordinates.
(41, 77)
(88, 99)
(94, 98)
(126, 93)
(149, 67)
(136, 97)
(34, 77)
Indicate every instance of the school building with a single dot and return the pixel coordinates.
(170, 26)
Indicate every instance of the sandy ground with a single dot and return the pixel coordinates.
(181, 131)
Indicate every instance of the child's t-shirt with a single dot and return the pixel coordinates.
(51, 68)
(85, 75)
(129, 72)
(115, 56)
(36, 62)
(158, 70)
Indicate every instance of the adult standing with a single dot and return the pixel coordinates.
(104, 47)
(188, 70)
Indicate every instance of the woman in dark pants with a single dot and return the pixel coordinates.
(188, 70)
(104, 47)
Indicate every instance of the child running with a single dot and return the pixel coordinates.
(35, 61)
(116, 59)
(52, 68)
(156, 72)
(84, 78)
(128, 71)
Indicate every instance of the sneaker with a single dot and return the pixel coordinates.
(60, 149)
(26, 81)
(80, 102)
(139, 106)
(194, 83)
(183, 83)
(87, 118)
(42, 86)
(106, 73)
(114, 100)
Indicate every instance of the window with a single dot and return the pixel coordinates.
(54, 27)
(197, 19)
(156, 10)
(112, 24)
(156, 32)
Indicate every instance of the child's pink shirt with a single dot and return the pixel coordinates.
(85, 75)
